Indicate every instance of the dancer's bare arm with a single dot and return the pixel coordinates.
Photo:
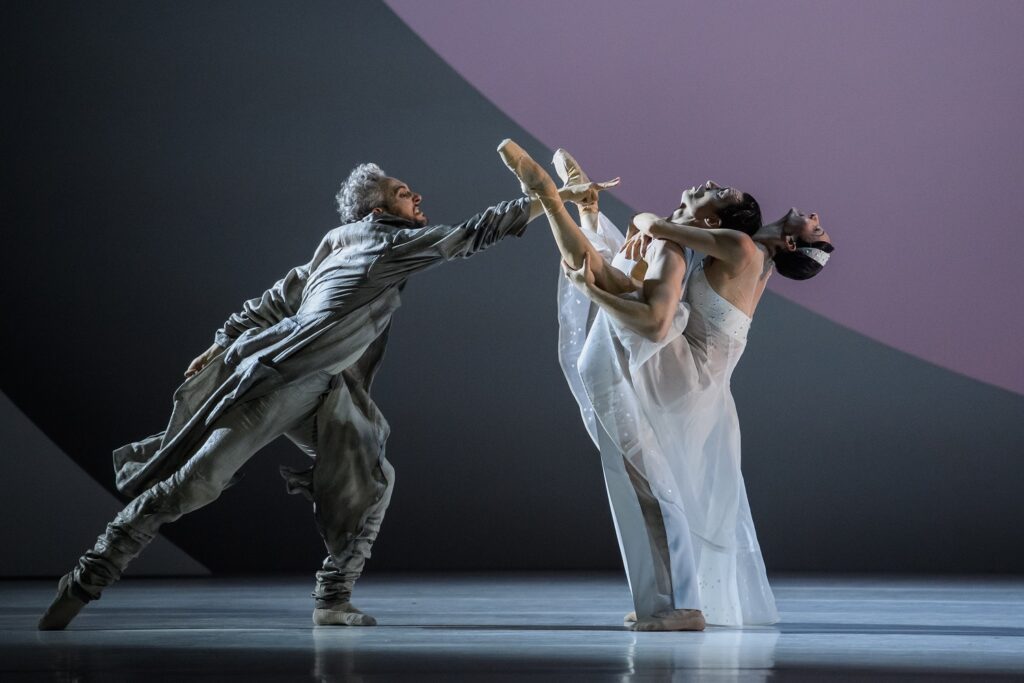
(652, 315)
(730, 246)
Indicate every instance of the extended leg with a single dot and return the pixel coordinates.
(572, 243)
(571, 173)
(234, 438)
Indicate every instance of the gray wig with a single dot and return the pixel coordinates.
(361, 193)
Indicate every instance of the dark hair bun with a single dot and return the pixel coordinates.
(797, 265)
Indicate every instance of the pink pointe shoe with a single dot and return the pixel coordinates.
(534, 180)
(568, 169)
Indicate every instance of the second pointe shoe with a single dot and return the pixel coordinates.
(534, 179)
(672, 620)
(65, 607)
(342, 615)
(568, 169)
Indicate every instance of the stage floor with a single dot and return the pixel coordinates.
(561, 627)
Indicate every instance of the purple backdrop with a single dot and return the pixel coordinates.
(900, 122)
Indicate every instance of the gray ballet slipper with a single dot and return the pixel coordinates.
(342, 615)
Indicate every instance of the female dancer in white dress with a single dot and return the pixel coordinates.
(651, 372)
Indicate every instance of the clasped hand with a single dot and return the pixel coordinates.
(582, 277)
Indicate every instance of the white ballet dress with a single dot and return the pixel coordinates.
(664, 420)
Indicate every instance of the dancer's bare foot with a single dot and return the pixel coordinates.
(63, 609)
(342, 615)
(672, 620)
(535, 180)
(629, 618)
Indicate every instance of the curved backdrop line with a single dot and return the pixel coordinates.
(898, 122)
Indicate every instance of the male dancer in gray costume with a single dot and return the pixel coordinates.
(297, 361)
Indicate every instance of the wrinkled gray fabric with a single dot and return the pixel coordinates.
(318, 332)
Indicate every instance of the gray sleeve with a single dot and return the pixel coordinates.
(277, 303)
(416, 249)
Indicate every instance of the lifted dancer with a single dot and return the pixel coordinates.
(299, 360)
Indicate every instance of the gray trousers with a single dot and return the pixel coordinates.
(654, 538)
(234, 438)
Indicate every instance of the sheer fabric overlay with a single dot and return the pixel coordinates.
(668, 409)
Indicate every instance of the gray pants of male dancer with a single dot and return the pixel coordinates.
(234, 438)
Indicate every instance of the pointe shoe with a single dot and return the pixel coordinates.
(63, 609)
(342, 615)
(568, 169)
(534, 180)
(672, 620)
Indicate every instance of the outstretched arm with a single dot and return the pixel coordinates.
(730, 246)
(652, 315)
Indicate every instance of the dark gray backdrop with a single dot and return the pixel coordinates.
(165, 161)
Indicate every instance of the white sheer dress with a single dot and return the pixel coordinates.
(663, 417)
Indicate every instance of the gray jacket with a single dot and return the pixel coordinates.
(332, 314)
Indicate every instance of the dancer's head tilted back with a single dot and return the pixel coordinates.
(368, 189)
(801, 245)
(711, 205)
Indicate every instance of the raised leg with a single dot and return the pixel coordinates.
(570, 172)
(572, 243)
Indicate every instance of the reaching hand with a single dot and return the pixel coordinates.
(585, 194)
(202, 360)
(581, 277)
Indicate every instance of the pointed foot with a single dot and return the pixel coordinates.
(534, 179)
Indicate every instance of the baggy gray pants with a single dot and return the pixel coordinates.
(234, 438)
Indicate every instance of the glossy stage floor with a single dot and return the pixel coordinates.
(510, 627)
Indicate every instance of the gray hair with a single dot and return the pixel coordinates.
(361, 193)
